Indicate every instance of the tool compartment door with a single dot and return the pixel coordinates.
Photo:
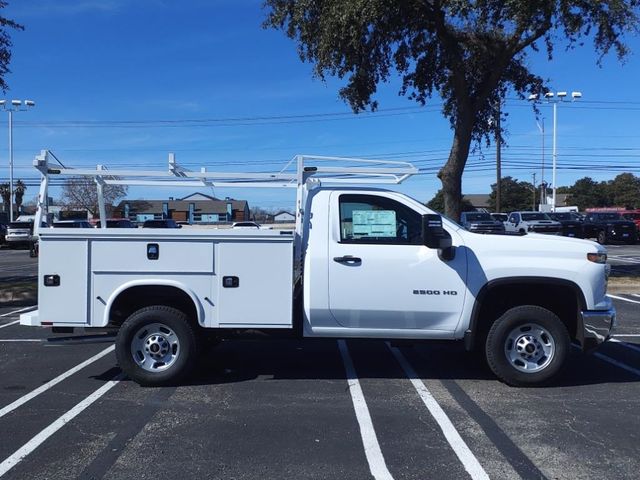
(255, 284)
(65, 300)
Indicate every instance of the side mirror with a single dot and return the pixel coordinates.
(433, 234)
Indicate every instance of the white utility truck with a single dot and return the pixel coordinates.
(362, 262)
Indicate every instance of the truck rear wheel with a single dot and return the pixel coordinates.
(602, 237)
(527, 346)
(156, 346)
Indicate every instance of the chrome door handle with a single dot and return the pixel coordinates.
(347, 259)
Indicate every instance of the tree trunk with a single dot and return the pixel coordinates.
(451, 173)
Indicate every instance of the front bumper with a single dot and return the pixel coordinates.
(18, 239)
(597, 327)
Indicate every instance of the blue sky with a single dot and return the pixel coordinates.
(95, 66)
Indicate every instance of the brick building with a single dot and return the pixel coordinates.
(195, 208)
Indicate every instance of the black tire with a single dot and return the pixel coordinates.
(602, 237)
(165, 327)
(516, 331)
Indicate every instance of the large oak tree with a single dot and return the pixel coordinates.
(469, 52)
(5, 45)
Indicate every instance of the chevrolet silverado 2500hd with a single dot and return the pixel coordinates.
(362, 262)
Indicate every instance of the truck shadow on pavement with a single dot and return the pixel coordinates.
(319, 359)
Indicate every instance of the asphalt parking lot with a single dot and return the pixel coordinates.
(16, 264)
(624, 259)
(316, 409)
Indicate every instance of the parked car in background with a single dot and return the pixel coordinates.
(245, 225)
(571, 227)
(608, 227)
(72, 224)
(3, 233)
(117, 223)
(501, 217)
(481, 222)
(19, 234)
(166, 223)
(534, 222)
(578, 216)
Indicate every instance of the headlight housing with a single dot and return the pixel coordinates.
(597, 257)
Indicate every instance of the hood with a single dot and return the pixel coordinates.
(483, 222)
(620, 222)
(569, 222)
(542, 222)
(533, 242)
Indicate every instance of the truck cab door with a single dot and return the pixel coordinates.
(381, 275)
(512, 223)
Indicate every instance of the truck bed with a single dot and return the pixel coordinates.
(231, 275)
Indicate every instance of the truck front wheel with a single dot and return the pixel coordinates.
(156, 346)
(527, 346)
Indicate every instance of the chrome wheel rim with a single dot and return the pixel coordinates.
(529, 348)
(155, 347)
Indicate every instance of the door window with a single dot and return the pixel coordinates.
(378, 220)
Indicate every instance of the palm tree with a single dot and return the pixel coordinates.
(5, 193)
(19, 194)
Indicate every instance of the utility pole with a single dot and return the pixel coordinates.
(498, 160)
(534, 192)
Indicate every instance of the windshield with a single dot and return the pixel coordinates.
(534, 216)
(20, 225)
(561, 216)
(474, 217)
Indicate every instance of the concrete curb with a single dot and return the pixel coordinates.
(18, 295)
(623, 285)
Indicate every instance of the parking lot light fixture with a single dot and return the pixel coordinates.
(554, 99)
(10, 107)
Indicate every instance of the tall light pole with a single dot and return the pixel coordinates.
(498, 163)
(13, 106)
(554, 99)
(543, 193)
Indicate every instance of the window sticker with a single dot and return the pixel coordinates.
(374, 223)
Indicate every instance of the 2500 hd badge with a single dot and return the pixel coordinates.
(435, 292)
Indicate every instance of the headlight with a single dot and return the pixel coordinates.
(597, 257)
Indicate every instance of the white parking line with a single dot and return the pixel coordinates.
(15, 340)
(627, 335)
(624, 299)
(41, 437)
(8, 314)
(377, 465)
(465, 455)
(636, 294)
(9, 324)
(43, 388)
(630, 346)
(623, 259)
(617, 363)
